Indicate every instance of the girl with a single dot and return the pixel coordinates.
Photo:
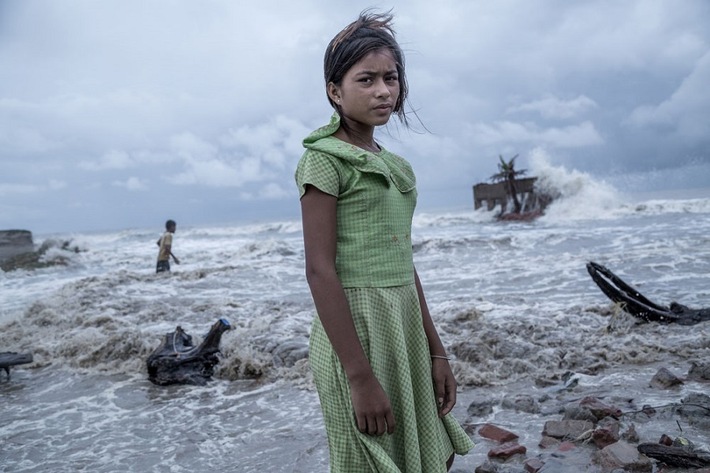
(377, 360)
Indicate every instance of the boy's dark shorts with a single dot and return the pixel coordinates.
(162, 266)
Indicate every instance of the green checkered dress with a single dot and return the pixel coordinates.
(376, 199)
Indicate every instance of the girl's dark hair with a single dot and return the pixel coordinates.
(371, 31)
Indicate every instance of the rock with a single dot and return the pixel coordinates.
(695, 409)
(566, 429)
(289, 352)
(15, 242)
(606, 433)
(496, 433)
(664, 379)
(522, 403)
(547, 442)
(507, 450)
(621, 455)
(699, 371)
(565, 447)
(481, 407)
(533, 465)
(579, 413)
(487, 467)
(631, 435)
(599, 409)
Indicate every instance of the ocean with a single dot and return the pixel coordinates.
(513, 303)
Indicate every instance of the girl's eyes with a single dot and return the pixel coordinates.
(369, 80)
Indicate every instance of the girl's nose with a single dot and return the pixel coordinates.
(382, 90)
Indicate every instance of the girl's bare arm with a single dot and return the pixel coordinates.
(444, 381)
(372, 407)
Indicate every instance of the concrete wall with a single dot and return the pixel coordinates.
(15, 242)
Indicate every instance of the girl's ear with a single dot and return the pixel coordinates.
(333, 92)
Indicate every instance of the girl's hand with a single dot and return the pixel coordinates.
(373, 411)
(444, 385)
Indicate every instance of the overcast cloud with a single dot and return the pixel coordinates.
(121, 113)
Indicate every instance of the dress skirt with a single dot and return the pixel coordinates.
(389, 324)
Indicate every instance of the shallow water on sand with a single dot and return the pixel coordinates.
(112, 423)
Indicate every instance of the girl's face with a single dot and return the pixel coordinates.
(369, 90)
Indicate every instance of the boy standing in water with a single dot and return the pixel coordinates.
(381, 370)
(165, 243)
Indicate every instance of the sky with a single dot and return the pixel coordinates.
(120, 114)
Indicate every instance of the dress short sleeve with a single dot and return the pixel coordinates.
(319, 170)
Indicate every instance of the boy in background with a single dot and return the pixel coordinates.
(165, 243)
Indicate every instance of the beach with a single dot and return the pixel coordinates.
(513, 303)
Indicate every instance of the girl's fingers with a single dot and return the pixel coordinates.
(390, 422)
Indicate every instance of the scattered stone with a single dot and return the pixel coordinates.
(579, 413)
(469, 428)
(487, 467)
(507, 450)
(287, 353)
(496, 433)
(566, 446)
(699, 371)
(664, 379)
(606, 433)
(548, 442)
(522, 403)
(695, 409)
(631, 435)
(566, 429)
(533, 465)
(683, 442)
(481, 407)
(621, 455)
(599, 409)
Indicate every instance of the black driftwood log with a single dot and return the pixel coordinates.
(178, 361)
(8, 359)
(633, 302)
(674, 456)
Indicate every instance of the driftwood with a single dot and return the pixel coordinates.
(178, 361)
(675, 456)
(8, 359)
(636, 304)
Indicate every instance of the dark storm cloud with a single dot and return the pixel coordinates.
(116, 113)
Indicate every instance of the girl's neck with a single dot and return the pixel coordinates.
(360, 139)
